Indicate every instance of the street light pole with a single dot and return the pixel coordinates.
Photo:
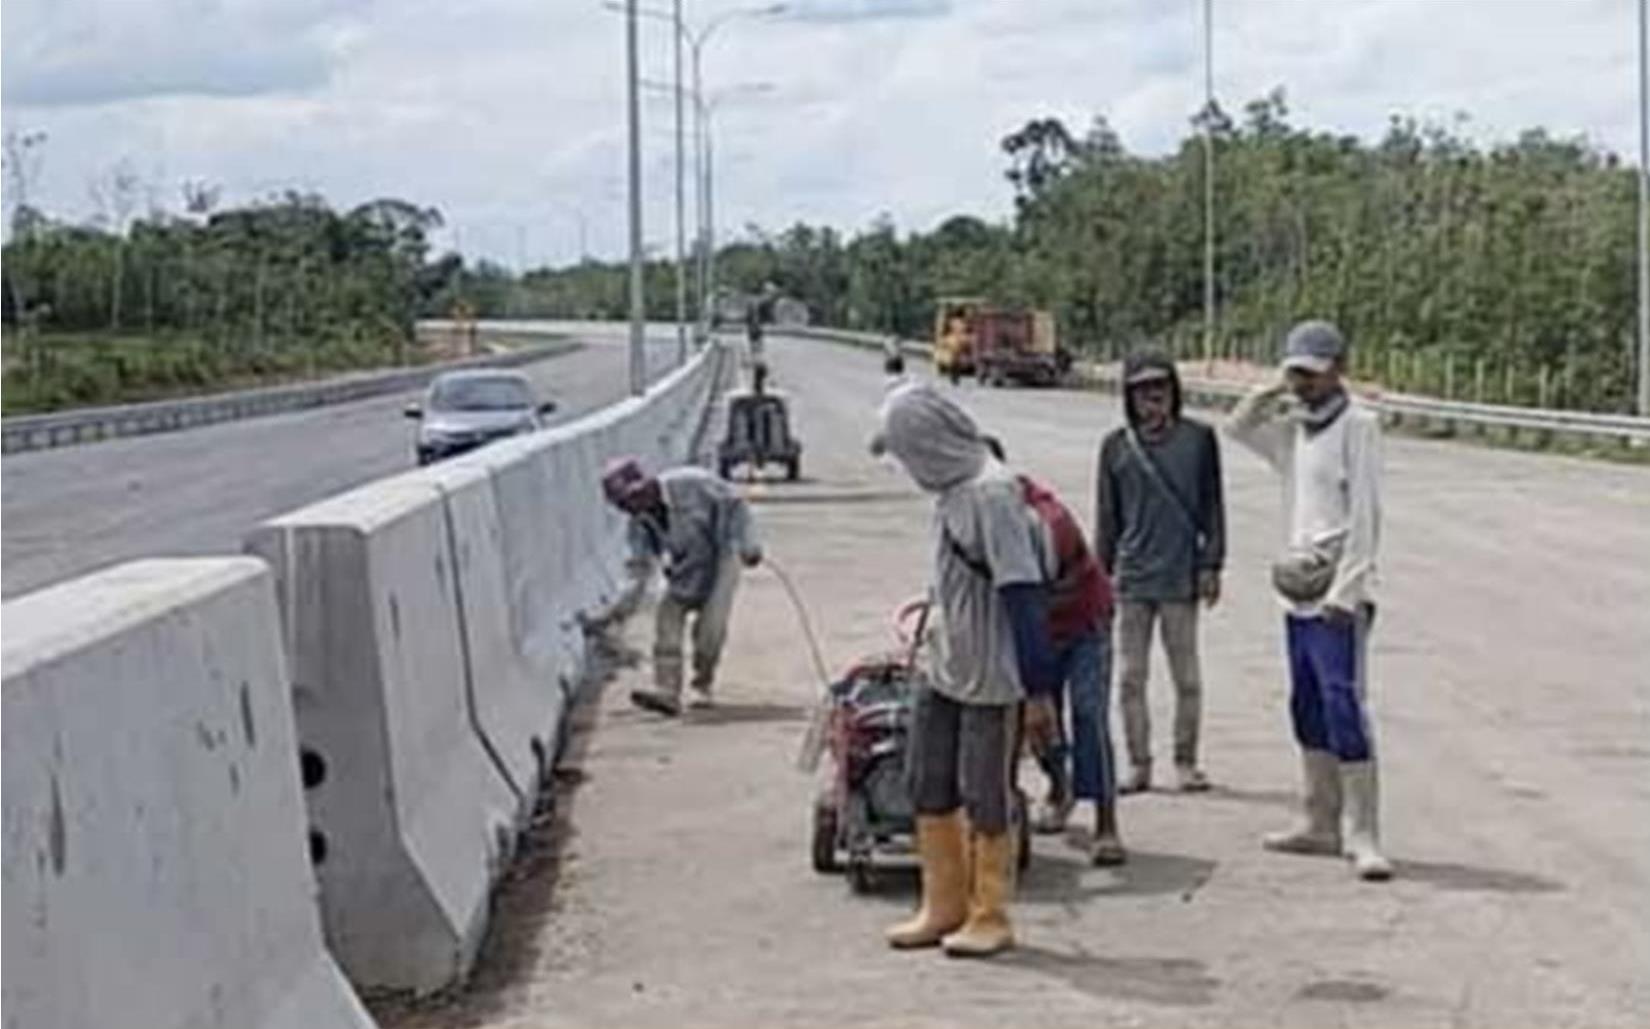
(681, 204)
(638, 311)
(1644, 208)
(1208, 182)
(710, 201)
(696, 45)
(701, 265)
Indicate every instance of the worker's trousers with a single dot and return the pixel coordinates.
(1328, 662)
(710, 631)
(962, 755)
(1135, 621)
(1085, 685)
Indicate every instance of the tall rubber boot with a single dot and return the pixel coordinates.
(1360, 786)
(1320, 832)
(942, 849)
(987, 930)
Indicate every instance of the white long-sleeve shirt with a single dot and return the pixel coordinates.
(1331, 489)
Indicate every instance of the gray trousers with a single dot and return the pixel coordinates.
(1135, 621)
(962, 755)
(710, 631)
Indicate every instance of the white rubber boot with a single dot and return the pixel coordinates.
(1360, 786)
(1320, 830)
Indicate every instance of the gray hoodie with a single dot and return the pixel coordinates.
(1142, 533)
(979, 508)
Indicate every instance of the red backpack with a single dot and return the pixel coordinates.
(1080, 595)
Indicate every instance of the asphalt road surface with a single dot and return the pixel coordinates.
(1511, 686)
(70, 510)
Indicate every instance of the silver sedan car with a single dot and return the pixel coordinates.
(468, 409)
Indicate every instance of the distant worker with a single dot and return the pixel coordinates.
(991, 651)
(759, 312)
(1079, 764)
(1160, 533)
(1328, 452)
(701, 530)
(893, 359)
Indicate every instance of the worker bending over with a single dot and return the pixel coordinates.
(701, 530)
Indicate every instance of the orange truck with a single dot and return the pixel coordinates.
(1001, 345)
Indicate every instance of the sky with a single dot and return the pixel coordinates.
(508, 115)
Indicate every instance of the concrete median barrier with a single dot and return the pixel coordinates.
(155, 866)
(516, 694)
(413, 815)
(434, 626)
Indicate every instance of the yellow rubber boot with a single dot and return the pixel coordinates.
(987, 930)
(940, 845)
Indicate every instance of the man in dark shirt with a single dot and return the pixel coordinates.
(1160, 526)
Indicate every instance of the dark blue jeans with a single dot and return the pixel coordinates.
(1084, 702)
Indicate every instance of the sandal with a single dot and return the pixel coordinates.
(1051, 816)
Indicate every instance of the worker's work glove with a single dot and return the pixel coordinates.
(1042, 724)
(752, 557)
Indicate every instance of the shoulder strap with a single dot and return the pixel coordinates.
(1161, 481)
(972, 563)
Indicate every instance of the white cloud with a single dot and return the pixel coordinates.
(507, 114)
(100, 51)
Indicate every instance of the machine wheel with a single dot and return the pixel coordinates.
(862, 878)
(793, 469)
(824, 841)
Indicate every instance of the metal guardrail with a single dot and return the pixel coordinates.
(89, 424)
(1395, 408)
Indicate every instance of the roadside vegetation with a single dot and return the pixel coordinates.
(1501, 273)
(135, 306)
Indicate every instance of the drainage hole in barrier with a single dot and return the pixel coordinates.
(313, 767)
(317, 847)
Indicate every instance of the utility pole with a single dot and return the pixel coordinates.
(638, 310)
(710, 203)
(1644, 208)
(681, 203)
(1208, 182)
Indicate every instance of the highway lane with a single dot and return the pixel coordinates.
(74, 509)
(1513, 705)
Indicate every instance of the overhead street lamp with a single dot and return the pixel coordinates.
(707, 112)
(1208, 181)
(638, 312)
(1644, 208)
(695, 41)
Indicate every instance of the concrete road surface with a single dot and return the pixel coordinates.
(70, 510)
(1511, 684)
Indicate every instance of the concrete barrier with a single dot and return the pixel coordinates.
(155, 869)
(434, 625)
(413, 815)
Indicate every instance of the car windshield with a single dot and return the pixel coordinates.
(480, 395)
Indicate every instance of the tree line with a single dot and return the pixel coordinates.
(1507, 264)
(128, 307)
(1501, 272)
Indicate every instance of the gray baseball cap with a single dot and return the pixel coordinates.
(1313, 346)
